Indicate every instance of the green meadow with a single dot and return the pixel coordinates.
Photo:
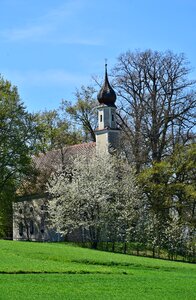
(63, 271)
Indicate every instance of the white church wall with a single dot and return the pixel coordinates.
(31, 222)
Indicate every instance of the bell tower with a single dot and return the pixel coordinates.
(107, 133)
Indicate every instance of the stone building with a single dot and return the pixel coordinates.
(30, 216)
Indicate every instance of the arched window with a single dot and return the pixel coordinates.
(101, 118)
(20, 229)
(31, 227)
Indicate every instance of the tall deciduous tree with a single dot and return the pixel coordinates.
(157, 102)
(83, 112)
(170, 190)
(54, 131)
(15, 145)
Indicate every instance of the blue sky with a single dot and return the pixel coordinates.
(50, 47)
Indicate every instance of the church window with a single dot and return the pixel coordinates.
(101, 118)
(112, 117)
(31, 227)
(20, 229)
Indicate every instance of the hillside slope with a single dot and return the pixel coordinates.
(61, 271)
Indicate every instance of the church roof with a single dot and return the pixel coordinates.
(56, 158)
(107, 95)
(47, 163)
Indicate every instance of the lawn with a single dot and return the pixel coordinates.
(61, 271)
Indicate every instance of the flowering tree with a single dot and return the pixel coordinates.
(98, 195)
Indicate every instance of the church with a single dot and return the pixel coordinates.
(30, 215)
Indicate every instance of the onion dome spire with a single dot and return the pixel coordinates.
(106, 95)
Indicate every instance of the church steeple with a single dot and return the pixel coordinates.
(106, 95)
(107, 133)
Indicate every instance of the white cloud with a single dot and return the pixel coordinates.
(31, 32)
(56, 26)
(76, 40)
(66, 10)
(37, 78)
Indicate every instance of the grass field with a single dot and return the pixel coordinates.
(61, 271)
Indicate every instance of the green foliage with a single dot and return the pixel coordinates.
(83, 111)
(172, 183)
(61, 271)
(170, 189)
(54, 131)
(14, 134)
(15, 145)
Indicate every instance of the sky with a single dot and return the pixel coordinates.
(48, 48)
